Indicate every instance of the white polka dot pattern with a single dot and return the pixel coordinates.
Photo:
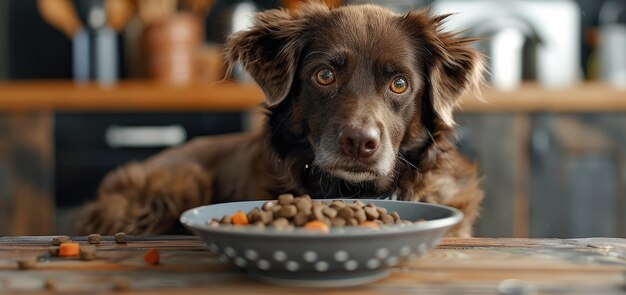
(213, 248)
(321, 266)
(382, 253)
(422, 248)
(392, 261)
(309, 256)
(230, 252)
(251, 254)
(280, 256)
(435, 242)
(292, 266)
(240, 262)
(341, 256)
(373, 263)
(223, 258)
(405, 251)
(263, 264)
(351, 265)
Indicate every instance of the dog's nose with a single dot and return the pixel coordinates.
(359, 142)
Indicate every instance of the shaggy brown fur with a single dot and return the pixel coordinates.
(296, 152)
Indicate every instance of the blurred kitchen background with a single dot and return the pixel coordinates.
(87, 85)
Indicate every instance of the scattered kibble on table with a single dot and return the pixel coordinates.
(27, 263)
(87, 252)
(69, 250)
(49, 285)
(58, 240)
(94, 239)
(120, 285)
(53, 251)
(121, 238)
(152, 257)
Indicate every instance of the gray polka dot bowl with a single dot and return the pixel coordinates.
(345, 256)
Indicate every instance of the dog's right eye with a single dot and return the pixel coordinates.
(325, 77)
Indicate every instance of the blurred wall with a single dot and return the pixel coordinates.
(38, 51)
(4, 55)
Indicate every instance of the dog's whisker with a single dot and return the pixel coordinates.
(345, 184)
(409, 164)
(340, 192)
(433, 139)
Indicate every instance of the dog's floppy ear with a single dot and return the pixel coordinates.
(270, 49)
(452, 66)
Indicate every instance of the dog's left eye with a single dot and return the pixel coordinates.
(325, 77)
(399, 85)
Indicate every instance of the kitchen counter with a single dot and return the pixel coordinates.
(457, 266)
(150, 96)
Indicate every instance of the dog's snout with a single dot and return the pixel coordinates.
(359, 142)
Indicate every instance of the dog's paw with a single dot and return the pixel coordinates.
(136, 200)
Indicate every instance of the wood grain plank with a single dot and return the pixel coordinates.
(457, 266)
(146, 95)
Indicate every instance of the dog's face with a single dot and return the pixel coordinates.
(358, 82)
(358, 79)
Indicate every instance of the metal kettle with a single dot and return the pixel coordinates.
(613, 42)
(511, 43)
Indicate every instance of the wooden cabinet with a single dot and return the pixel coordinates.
(498, 143)
(26, 167)
(549, 174)
(577, 184)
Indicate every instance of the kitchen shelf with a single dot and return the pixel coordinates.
(126, 96)
(63, 95)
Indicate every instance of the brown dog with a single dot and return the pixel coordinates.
(359, 105)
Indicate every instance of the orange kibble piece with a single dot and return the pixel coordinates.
(152, 256)
(239, 218)
(69, 250)
(317, 225)
(370, 224)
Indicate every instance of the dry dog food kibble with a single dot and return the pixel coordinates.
(370, 224)
(27, 263)
(289, 212)
(58, 240)
(87, 252)
(239, 218)
(94, 239)
(121, 238)
(49, 285)
(69, 250)
(53, 251)
(121, 285)
(152, 257)
(317, 225)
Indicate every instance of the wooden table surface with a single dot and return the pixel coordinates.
(143, 95)
(457, 266)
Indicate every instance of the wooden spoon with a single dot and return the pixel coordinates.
(119, 12)
(61, 14)
(200, 7)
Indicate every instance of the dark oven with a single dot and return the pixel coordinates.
(88, 145)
